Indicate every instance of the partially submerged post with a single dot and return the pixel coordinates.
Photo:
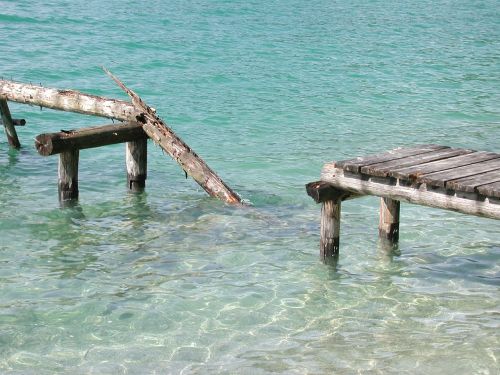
(68, 143)
(8, 124)
(330, 199)
(68, 175)
(389, 220)
(136, 157)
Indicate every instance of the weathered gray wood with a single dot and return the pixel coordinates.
(383, 169)
(441, 178)
(490, 190)
(68, 175)
(10, 131)
(16, 122)
(67, 100)
(190, 162)
(354, 165)
(330, 229)
(472, 205)
(469, 184)
(97, 136)
(412, 173)
(388, 227)
(136, 157)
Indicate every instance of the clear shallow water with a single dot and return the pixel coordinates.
(171, 281)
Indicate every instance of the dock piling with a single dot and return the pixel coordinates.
(389, 220)
(136, 157)
(330, 229)
(8, 124)
(68, 175)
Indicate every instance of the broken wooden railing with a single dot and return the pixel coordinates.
(137, 115)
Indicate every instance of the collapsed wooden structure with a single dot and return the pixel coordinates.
(139, 122)
(455, 179)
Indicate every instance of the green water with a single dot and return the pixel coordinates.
(171, 281)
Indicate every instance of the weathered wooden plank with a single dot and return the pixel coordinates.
(10, 131)
(383, 169)
(490, 190)
(354, 165)
(412, 173)
(472, 205)
(441, 178)
(469, 184)
(67, 100)
(189, 161)
(96, 136)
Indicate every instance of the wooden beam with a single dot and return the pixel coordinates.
(189, 161)
(10, 131)
(136, 156)
(16, 121)
(322, 191)
(468, 203)
(55, 143)
(67, 100)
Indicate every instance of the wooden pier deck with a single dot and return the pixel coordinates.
(455, 179)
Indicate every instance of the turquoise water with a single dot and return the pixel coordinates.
(171, 281)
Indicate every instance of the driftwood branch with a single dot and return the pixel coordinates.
(192, 164)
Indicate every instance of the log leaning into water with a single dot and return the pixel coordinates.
(192, 164)
(55, 143)
(67, 100)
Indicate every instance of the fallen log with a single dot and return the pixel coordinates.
(54, 143)
(192, 164)
(67, 100)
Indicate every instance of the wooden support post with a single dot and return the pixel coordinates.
(330, 229)
(136, 156)
(68, 175)
(331, 198)
(10, 131)
(388, 227)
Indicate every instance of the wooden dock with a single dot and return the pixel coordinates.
(454, 179)
(138, 123)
